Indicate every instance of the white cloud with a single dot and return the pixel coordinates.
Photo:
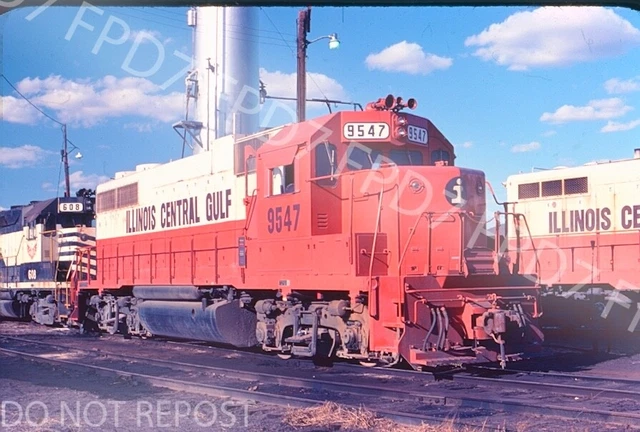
(617, 86)
(79, 180)
(14, 110)
(88, 103)
(3, 208)
(319, 86)
(612, 126)
(407, 57)
(549, 133)
(19, 157)
(467, 144)
(601, 109)
(555, 36)
(523, 148)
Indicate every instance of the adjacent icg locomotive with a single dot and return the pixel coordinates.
(584, 224)
(38, 252)
(353, 235)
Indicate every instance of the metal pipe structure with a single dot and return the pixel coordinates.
(228, 101)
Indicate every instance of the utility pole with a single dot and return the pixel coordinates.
(65, 162)
(304, 27)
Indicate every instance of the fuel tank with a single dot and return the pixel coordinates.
(11, 309)
(7, 295)
(167, 292)
(223, 322)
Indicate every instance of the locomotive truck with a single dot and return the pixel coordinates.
(353, 235)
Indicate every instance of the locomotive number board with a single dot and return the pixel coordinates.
(70, 207)
(417, 134)
(376, 131)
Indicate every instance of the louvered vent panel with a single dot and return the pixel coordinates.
(323, 221)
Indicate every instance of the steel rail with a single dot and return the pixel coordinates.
(561, 375)
(451, 401)
(248, 395)
(575, 390)
(612, 392)
(269, 378)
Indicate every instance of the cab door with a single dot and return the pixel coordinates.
(281, 218)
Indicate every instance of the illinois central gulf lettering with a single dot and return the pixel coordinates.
(141, 219)
(180, 212)
(570, 221)
(630, 217)
(218, 204)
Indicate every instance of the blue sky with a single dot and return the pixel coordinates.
(512, 88)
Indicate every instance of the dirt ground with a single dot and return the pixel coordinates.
(37, 396)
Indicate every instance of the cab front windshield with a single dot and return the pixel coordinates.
(362, 159)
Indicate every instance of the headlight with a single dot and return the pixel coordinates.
(416, 185)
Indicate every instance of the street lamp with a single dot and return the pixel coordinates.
(333, 40)
(304, 27)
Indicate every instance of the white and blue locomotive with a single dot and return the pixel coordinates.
(39, 261)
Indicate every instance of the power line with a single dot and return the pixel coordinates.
(65, 154)
(156, 12)
(184, 28)
(29, 102)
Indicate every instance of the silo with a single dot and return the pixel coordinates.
(227, 75)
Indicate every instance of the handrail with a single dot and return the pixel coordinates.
(533, 246)
(251, 209)
(351, 242)
(429, 216)
(375, 233)
(413, 231)
(461, 258)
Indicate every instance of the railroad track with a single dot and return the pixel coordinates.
(270, 396)
(586, 386)
(428, 402)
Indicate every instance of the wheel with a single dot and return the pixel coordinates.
(285, 356)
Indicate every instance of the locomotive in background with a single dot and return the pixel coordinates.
(585, 235)
(38, 257)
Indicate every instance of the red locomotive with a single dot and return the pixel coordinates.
(353, 235)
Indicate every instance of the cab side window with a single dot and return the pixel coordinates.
(325, 154)
(282, 179)
(289, 179)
